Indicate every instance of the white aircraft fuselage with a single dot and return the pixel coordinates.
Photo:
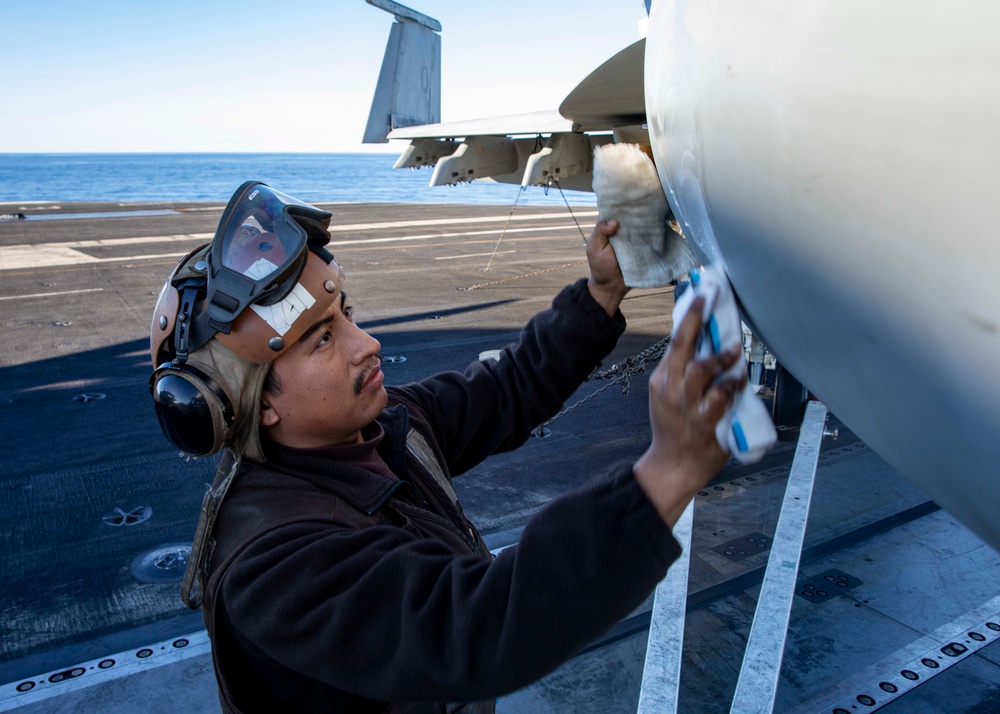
(839, 160)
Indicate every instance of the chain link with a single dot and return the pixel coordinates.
(525, 275)
(619, 372)
(636, 364)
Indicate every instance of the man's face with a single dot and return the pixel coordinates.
(330, 384)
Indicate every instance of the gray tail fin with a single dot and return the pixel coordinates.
(409, 85)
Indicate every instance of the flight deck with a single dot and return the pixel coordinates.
(896, 608)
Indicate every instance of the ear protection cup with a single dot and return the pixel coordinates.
(194, 412)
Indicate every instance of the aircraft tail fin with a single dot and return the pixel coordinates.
(409, 84)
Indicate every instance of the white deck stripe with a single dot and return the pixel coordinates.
(50, 255)
(458, 221)
(429, 236)
(114, 242)
(758, 682)
(913, 658)
(661, 674)
(474, 255)
(63, 292)
(105, 669)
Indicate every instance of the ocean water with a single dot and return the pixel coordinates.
(352, 178)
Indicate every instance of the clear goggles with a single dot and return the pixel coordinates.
(260, 283)
(259, 251)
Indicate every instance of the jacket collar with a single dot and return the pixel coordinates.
(362, 489)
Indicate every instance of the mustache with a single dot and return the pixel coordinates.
(365, 375)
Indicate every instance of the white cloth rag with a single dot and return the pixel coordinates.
(745, 430)
(651, 254)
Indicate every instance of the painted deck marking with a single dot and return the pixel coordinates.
(456, 221)
(105, 669)
(49, 255)
(758, 682)
(661, 674)
(62, 292)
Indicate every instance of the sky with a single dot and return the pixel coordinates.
(289, 76)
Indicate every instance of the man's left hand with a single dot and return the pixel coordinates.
(606, 284)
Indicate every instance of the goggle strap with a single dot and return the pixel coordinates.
(213, 326)
(317, 236)
(204, 329)
(226, 302)
(323, 253)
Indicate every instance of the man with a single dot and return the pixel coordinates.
(335, 568)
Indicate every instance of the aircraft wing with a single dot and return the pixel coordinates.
(544, 148)
(612, 95)
(533, 123)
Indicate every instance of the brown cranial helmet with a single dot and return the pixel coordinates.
(229, 309)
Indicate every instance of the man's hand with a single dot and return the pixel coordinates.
(606, 284)
(685, 404)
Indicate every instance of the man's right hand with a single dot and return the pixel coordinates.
(685, 404)
(606, 283)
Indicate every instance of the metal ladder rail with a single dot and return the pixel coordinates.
(758, 680)
(661, 674)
